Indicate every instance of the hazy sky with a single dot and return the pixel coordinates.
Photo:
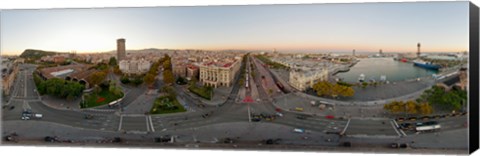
(439, 26)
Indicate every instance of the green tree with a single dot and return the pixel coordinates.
(411, 107)
(167, 65)
(97, 78)
(425, 108)
(112, 61)
(323, 88)
(137, 81)
(149, 78)
(168, 77)
(125, 80)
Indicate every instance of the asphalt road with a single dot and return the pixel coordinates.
(228, 114)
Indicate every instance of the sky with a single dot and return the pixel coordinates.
(365, 27)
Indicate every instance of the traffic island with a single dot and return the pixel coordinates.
(203, 92)
(101, 98)
(166, 104)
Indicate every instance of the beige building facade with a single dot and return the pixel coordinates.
(301, 80)
(218, 74)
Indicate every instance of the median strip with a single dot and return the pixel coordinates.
(151, 124)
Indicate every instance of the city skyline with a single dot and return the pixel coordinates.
(302, 28)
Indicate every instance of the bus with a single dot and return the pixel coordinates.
(427, 126)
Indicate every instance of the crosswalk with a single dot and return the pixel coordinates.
(26, 106)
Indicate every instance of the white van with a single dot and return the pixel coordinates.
(38, 116)
(298, 130)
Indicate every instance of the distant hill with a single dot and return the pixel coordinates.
(36, 54)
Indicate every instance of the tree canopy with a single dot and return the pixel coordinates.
(324, 88)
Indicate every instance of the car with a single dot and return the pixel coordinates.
(228, 141)
(12, 107)
(329, 116)
(50, 139)
(25, 118)
(256, 119)
(88, 116)
(412, 118)
(400, 119)
(300, 109)
(301, 117)
(272, 141)
(164, 138)
(298, 130)
(28, 111)
(405, 126)
(27, 114)
(399, 145)
(279, 114)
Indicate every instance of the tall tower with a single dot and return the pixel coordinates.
(120, 49)
(353, 53)
(380, 52)
(418, 49)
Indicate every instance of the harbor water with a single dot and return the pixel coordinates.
(374, 68)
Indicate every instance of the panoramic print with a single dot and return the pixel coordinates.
(371, 77)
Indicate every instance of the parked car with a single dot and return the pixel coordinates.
(400, 119)
(25, 118)
(412, 118)
(425, 118)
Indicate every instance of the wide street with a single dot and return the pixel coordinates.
(209, 124)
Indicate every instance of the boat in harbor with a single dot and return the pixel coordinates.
(427, 65)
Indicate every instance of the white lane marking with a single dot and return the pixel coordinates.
(396, 125)
(395, 128)
(151, 123)
(120, 124)
(146, 120)
(26, 106)
(345, 128)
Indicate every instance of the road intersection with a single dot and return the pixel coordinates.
(122, 121)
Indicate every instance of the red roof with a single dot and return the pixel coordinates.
(192, 66)
(227, 65)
